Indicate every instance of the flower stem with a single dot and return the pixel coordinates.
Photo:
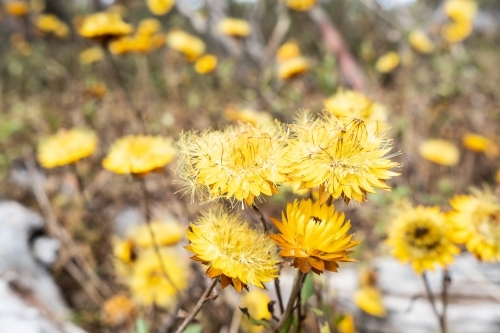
(205, 297)
(278, 293)
(430, 296)
(81, 185)
(297, 286)
(261, 217)
(444, 297)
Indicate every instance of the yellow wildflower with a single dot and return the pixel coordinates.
(461, 10)
(103, 26)
(292, 68)
(125, 250)
(234, 27)
(232, 250)
(165, 233)
(206, 64)
(122, 45)
(455, 32)
(119, 310)
(148, 26)
(387, 63)
(192, 47)
(256, 302)
(288, 51)
(139, 154)
(16, 8)
(420, 42)
(97, 90)
(346, 325)
(476, 142)
(439, 151)
(477, 217)
(66, 147)
(160, 7)
(253, 117)
(49, 23)
(369, 299)
(314, 236)
(91, 55)
(423, 237)
(300, 5)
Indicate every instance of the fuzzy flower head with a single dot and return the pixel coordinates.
(103, 26)
(16, 8)
(314, 236)
(232, 250)
(421, 42)
(287, 51)
(191, 46)
(206, 64)
(165, 233)
(343, 156)
(423, 237)
(139, 154)
(461, 10)
(292, 67)
(66, 147)
(477, 218)
(256, 302)
(440, 151)
(388, 62)
(351, 103)
(91, 55)
(119, 310)
(240, 163)
(234, 27)
(160, 7)
(51, 24)
(300, 5)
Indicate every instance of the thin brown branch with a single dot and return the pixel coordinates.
(297, 286)
(444, 296)
(432, 300)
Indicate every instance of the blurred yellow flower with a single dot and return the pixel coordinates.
(423, 237)
(250, 116)
(148, 283)
(103, 26)
(65, 147)
(420, 41)
(122, 45)
(461, 10)
(256, 302)
(165, 233)
(206, 64)
(354, 104)
(192, 47)
(91, 55)
(160, 7)
(455, 32)
(148, 26)
(476, 142)
(139, 154)
(440, 152)
(477, 218)
(125, 250)
(16, 8)
(49, 23)
(369, 299)
(314, 236)
(97, 90)
(288, 51)
(292, 67)
(300, 5)
(119, 310)
(234, 27)
(346, 324)
(387, 63)
(232, 250)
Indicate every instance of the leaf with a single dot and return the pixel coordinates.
(194, 328)
(307, 289)
(288, 324)
(141, 326)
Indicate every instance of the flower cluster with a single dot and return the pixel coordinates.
(147, 38)
(290, 61)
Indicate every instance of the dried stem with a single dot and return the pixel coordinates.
(81, 185)
(205, 297)
(297, 286)
(278, 293)
(444, 296)
(260, 216)
(430, 296)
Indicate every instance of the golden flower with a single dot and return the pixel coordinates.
(91, 55)
(148, 26)
(119, 310)
(354, 104)
(314, 236)
(206, 64)
(387, 63)
(165, 233)
(98, 90)
(16, 8)
(461, 10)
(420, 42)
(288, 51)
(125, 250)
(49, 23)
(455, 32)
(300, 5)
(439, 151)
(103, 26)
(345, 157)
(122, 45)
(192, 47)
(346, 324)
(240, 163)
(250, 116)
(369, 299)
(476, 142)
(139, 154)
(143, 44)
(292, 67)
(234, 27)
(148, 283)
(477, 218)
(66, 147)
(232, 250)
(423, 237)
(160, 7)
(256, 302)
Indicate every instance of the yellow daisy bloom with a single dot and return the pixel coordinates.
(160, 7)
(149, 285)
(461, 10)
(343, 156)
(139, 154)
(354, 104)
(49, 23)
(165, 233)
(440, 152)
(232, 250)
(476, 142)
(423, 237)
(103, 26)
(388, 62)
(192, 47)
(241, 163)
(250, 116)
(91, 55)
(148, 26)
(119, 310)
(420, 41)
(455, 32)
(477, 217)
(292, 68)
(16, 8)
(256, 302)
(234, 27)
(206, 64)
(369, 299)
(288, 51)
(300, 5)
(314, 236)
(66, 147)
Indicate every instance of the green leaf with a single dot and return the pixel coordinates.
(307, 289)
(141, 326)
(194, 328)
(288, 324)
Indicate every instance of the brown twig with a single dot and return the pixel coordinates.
(81, 185)
(297, 286)
(430, 296)
(260, 216)
(444, 296)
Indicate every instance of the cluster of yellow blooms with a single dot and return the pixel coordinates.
(147, 38)
(290, 61)
(462, 14)
(51, 24)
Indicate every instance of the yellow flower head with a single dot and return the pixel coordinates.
(420, 42)
(139, 154)
(387, 63)
(206, 64)
(241, 163)
(477, 218)
(160, 7)
(97, 90)
(250, 116)
(148, 26)
(125, 250)
(103, 26)
(165, 233)
(344, 156)
(256, 302)
(192, 47)
(423, 237)
(476, 142)
(346, 325)
(66, 147)
(91, 55)
(149, 285)
(119, 310)
(300, 5)
(144, 44)
(455, 32)
(461, 10)
(122, 45)
(292, 68)
(369, 299)
(234, 27)
(314, 235)
(439, 151)
(356, 105)
(16, 8)
(288, 51)
(232, 250)
(49, 23)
